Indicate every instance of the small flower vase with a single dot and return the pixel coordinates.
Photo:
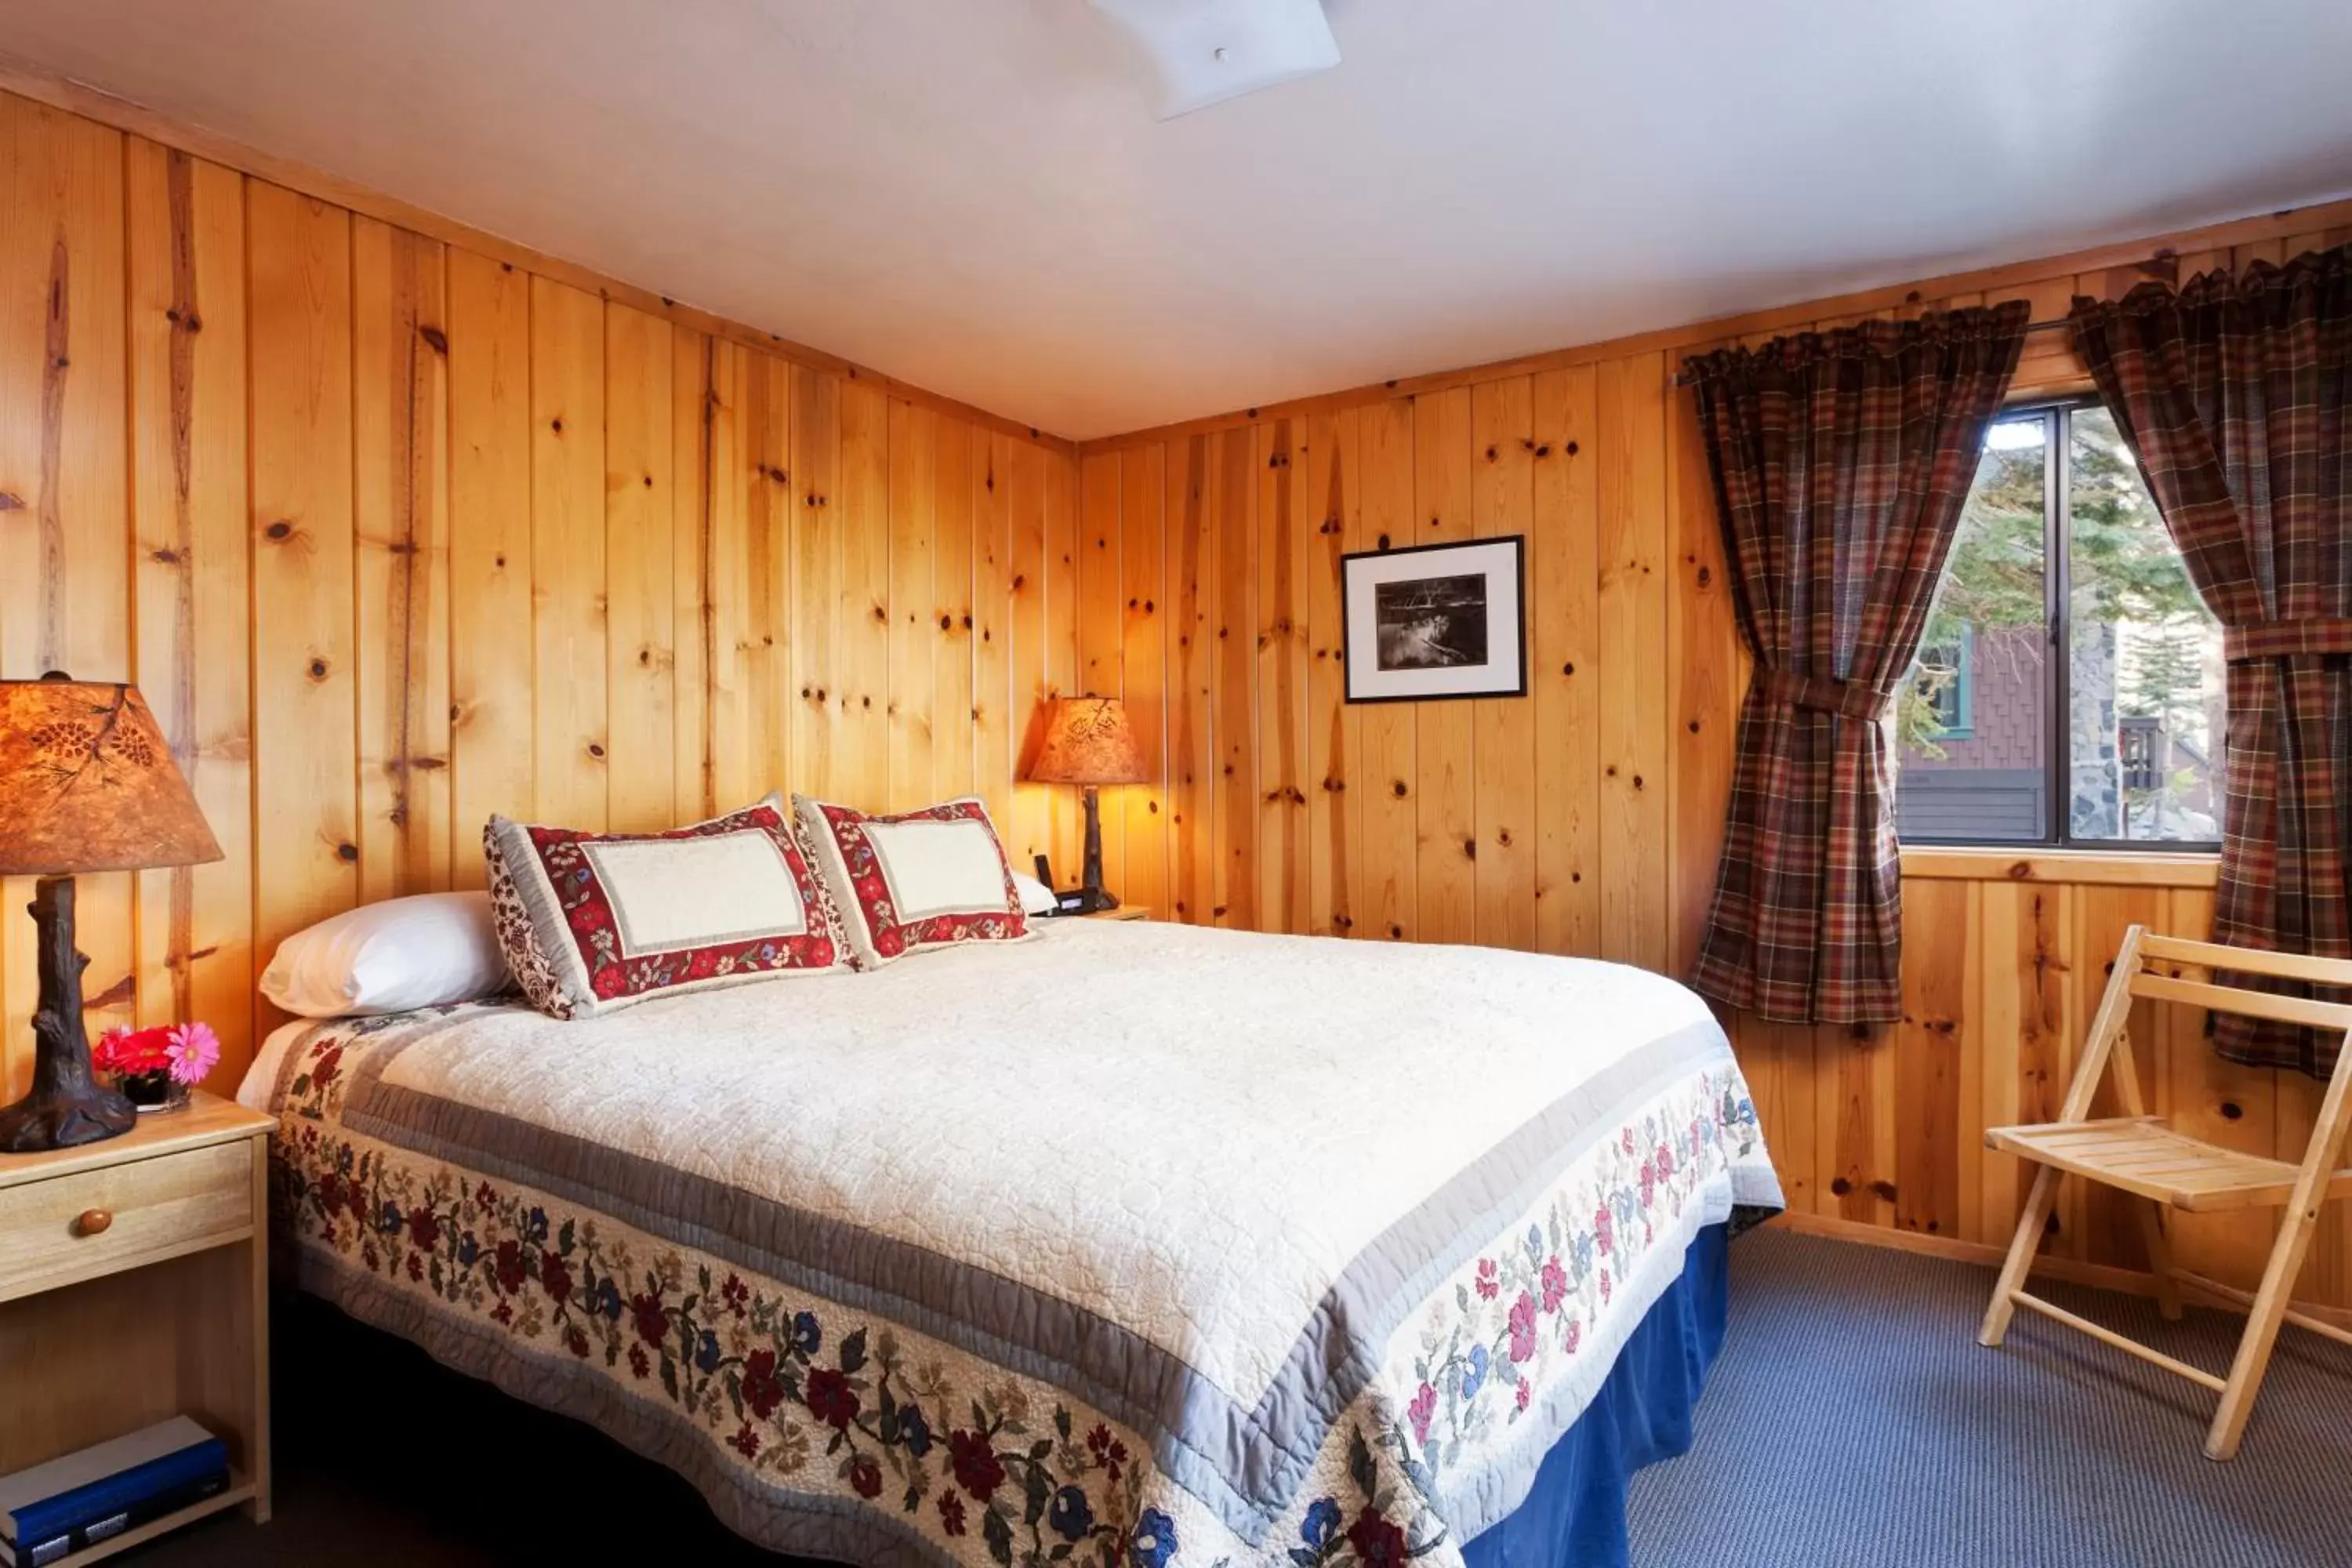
(153, 1091)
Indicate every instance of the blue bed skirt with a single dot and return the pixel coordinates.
(1575, 1515)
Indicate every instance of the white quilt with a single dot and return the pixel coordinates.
(1171, 1176)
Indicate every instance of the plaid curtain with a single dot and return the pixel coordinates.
(2231, 394)
(1841, 463)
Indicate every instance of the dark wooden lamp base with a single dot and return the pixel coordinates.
(1096, 896)
(68, 1105)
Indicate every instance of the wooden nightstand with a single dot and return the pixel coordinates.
(1124, 912)
(134, 1286)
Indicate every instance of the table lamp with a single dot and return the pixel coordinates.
(1087, 741)
(87, 784)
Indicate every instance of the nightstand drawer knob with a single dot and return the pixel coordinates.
(90, 1222)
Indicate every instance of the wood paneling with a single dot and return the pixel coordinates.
(297, 471)
(1060, 488)
(752, 572)
(1447, 816)
(396, 530)
(1143, 821)
(1390, 732)
(305, 685)
(569, 716)
(640, 556)
(1587, 817)
(913, 608)
(1330, 486)
(955, 519)
(400, 502)
(192, 566)
(1027, 652)
(1283, 678)
(1708, 665)
(1190, 523)
(489, 553)
(1233, 682)
(1097, 578)
(65, 516)
(995, 721)
(1502, 462)
(1563, 582)
(861, 520)
(1634, 837)
(1284, 543)
(692, 414)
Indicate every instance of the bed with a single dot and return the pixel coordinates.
(1132, 1243)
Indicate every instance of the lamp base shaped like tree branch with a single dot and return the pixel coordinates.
(1098, 898)
(68, 1105)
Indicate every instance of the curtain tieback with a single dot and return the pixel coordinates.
(1824, 694)
(2284, 639)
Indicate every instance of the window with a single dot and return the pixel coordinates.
(1945, 678)
(2068, 691)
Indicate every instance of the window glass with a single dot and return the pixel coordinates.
(2144, 666)
(1972, 722)
(2118, 743)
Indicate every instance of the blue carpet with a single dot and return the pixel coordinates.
(1853, 1421)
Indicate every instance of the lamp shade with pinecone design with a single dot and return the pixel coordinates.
(87, 784)
(1088, 742)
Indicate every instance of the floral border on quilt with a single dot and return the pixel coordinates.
(1508, 1328)
(981, 1464)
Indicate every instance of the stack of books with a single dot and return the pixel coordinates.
(53, 1511)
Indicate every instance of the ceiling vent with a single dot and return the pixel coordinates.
(1205, 51)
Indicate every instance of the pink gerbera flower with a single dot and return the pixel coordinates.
(192, 1050)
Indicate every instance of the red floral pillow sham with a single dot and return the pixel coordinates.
(918, 879)
(592, 923)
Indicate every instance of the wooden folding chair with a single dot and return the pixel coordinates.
(2140, 1155)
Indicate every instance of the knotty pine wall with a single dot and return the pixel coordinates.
(394, 533)
(739, 564)
(1586, 818)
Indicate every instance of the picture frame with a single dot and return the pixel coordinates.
(1433, 621)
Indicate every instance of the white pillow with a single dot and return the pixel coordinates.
(1036, 899)
(420, 952)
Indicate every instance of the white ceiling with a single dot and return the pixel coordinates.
(972, 195)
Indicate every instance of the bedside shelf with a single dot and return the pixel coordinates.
(134, 1287)
(241, 1490)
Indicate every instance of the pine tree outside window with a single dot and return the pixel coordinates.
(2069, 689)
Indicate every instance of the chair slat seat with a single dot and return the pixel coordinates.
(2141, 1155)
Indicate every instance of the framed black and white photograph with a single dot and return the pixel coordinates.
(1436, 621)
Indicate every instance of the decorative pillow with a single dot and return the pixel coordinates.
(426, 950)
(596, 921)
(919, 879)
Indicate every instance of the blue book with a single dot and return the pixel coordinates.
(73, 1510)
(65, 1494)
(39, 1553)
